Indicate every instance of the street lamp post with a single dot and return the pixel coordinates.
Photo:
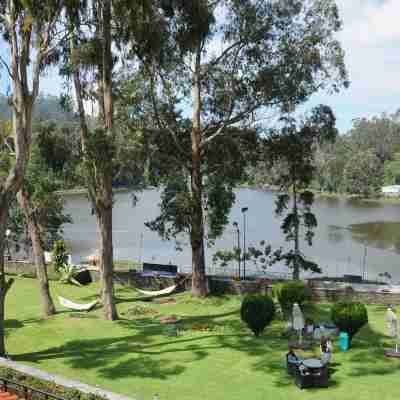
(244, 210)
(236, 225)
(8, 233)
(140, 248)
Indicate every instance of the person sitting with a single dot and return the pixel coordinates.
(291, 357)
(309, 328)
(292, 361)
(326, 350)
(317, 333)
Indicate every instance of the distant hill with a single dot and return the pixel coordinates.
(47, 107)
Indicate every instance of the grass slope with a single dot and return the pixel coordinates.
(215, 357)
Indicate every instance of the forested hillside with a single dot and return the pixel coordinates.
(359, 162)
(47, 107)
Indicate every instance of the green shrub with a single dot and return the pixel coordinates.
(257, 312)
(349, 317)
(47, 386)
(292, 292)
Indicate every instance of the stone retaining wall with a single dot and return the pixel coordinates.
(372, 297)
(224, 286)
(134, 279)
(28, 269)
(216, 285)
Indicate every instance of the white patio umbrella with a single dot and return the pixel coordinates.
(391, 321)
(298, 320)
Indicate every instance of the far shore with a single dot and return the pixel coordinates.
(80, 191)
(395, 200)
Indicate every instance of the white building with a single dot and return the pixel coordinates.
(391, 190)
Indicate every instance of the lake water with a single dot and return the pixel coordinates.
(353, 237)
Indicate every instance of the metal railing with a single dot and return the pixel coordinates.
(25, 391)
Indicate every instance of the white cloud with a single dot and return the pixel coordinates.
(371, 39)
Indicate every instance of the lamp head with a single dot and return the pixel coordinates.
(244, 209)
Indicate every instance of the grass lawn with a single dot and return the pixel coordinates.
(215, 357)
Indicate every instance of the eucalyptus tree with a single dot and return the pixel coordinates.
(30, 32)
(293, 149)
(226, 63)
(392, 170)
(100, 30)
(363, 173)
(91, 62)
(42, 206)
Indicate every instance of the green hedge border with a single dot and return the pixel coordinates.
(46, 386)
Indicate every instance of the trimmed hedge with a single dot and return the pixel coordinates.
(257, 311)
(46, 386)
(349, 316)
(292, 292)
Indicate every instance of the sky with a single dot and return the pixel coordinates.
(371, 40)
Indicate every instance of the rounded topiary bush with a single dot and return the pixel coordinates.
(292, 292)
(257, 312)
(349, 317)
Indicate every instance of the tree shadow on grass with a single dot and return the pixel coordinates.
(13, 324)
(139, 298)
(16, 324)
(10, 325)
(125, 356)
(148, 354)
(367, 355)
(145, 353)
(145, 367)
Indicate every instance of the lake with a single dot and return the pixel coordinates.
(353, 237)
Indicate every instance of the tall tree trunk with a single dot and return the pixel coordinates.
(199, 284)
(3, 225)
(22, 132)
(100, 186)
(106, 259)
(296, 266)
(4, 283)
(105, 206)
(38, 255)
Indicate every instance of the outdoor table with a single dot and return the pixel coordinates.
(317, 376)
(312, 363)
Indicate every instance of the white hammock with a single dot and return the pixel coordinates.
(74, 306)
(167, 290)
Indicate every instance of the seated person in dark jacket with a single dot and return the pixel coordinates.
(291, 357)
